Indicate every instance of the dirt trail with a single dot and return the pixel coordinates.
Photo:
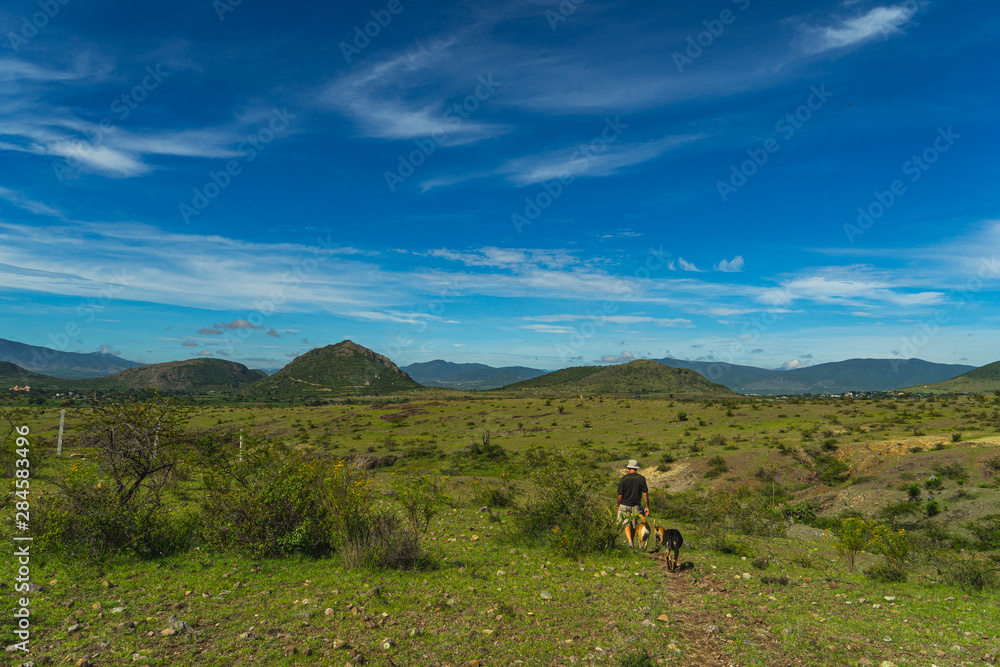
(704, 633)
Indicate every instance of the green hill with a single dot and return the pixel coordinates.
(188, 375)
(642, 376)
(982, 379)
(344, 369)
(12, 375)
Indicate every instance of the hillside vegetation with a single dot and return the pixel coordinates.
(642, 377)
(982, 379)
(344, 369)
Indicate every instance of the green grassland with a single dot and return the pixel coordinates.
(482, 596)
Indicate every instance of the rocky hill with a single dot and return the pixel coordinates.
(344, 369)
(985, 378)
(640, 377)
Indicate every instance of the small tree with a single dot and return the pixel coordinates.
(136, 444)
(854, 537)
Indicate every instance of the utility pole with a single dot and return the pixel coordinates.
(62, 423)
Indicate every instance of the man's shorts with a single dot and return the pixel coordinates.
(628, 514)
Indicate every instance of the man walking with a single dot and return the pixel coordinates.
(632, 490)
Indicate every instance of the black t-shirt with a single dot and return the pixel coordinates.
(631, 487)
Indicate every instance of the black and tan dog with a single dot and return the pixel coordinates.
(672, 542)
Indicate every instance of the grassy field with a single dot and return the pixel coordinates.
(772, 601)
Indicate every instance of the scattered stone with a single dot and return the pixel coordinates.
(338, 644)
(664, 618)
(290, 651)
(117, 610)
(83, 662)
(648, 623)
(329, 612)
(249, 634)
(712, 629)
(386, 644)
(357, 657)
(96, 605)
(167, 632)
(473, 663)
(305, 616)
(887, 663)
(374, 592)
(107, 584)
(488, 633)
(416, 632)
(890, 598)
(73, 628)
(865, 662)
(546, 595)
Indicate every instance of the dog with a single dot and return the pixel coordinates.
(641, 532)
(672, 542)
(659, 533)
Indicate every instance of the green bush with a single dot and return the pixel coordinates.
(972, 575)
(716, 467)
(386, 543)
(886, 573)
(637, 660)
(986, 530)
(271, 506)
(572, 515)
(421, 498)
(728, 543)
(495, 494)
(85, 521)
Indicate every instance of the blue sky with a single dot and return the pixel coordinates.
(538, 183)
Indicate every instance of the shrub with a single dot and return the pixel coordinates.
(932, 508)
(385, 543)
(728, 543)
(637, 660)
(272, 505)
(572, 516)
(769, 580)
(986, 530)
(116, 505)
(86, 521)
(421, 498)
(716, 466)
(853, 537)
(972, 575)
(886, 573)
(490, 494)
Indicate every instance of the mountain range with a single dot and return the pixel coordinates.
(68, 365)
(348, 369)
(440, 373)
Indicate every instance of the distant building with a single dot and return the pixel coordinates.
(25, 388)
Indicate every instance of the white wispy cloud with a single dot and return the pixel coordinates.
(730, 266)
(21, 201)
(389, 98)
(878, 21)
(585, 160)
